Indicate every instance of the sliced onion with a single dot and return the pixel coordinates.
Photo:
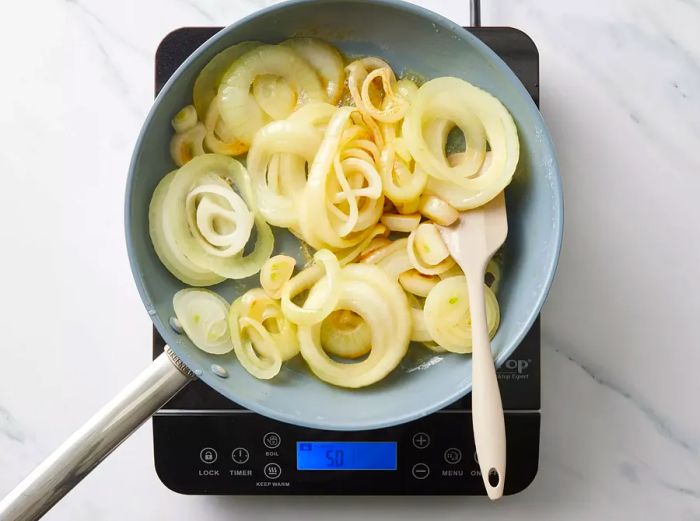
(416, 283)
(401, 223)
(396, 262)
(314, 113)
(322, 222)
(406, 88)
(275, 273)
(274, 95)
(453, 271)
(457, 196)
(409, 206)
(369, 292)
(299, 143)
(207, 83)
(394, 106)
(325, 268)
(262, 337)
(400, 184)
(381, 253)
(214, 169)
(238, 107)
(435, 348)
(218, 138)
(482, 118)
(447, 314)
(186, 145)
(438, 210)
(348, 255)
(427, 251)
(419, 331)
(375, 244)
(345, 334)
(202, 314)
(401, 149)
(326, 61)
(356, 72)
(185, 119)
(165, 246)
(218, 218)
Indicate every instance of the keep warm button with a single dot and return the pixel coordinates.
(272, 471)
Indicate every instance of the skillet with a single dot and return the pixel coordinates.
(410, 39)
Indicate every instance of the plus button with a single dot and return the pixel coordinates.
(421, 440)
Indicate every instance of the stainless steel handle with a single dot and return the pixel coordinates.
(475, 13)
(95, 440)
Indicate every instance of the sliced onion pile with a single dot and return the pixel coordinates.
(447, 314)
(202, 315)
(444, 103)
(200, 224)
(360, 165)
(262, 336)
(368, 292)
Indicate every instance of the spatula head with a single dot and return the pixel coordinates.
(477, 234)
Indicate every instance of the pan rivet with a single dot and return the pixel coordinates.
(198, 372)
(219, 371)
(175, 325)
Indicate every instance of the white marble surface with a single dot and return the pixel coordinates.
(621, 348)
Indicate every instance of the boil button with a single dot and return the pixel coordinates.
(272, 440)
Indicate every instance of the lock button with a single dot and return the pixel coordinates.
(208, 455)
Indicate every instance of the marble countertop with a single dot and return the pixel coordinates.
(621, 423)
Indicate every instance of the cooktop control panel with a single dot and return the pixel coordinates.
(206, 444)
(244, 453)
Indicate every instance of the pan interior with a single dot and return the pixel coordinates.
(412, 40)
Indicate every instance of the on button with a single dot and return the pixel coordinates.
(420, 471)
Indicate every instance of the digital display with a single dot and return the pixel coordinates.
(346, 455)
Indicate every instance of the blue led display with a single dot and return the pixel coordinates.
(346, 455)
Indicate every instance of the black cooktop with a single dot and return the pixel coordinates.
(206, 444)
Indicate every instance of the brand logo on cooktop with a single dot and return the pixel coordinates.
(515, 369)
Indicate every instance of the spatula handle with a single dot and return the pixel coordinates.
(487, 409)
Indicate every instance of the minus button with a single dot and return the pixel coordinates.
(420, 471)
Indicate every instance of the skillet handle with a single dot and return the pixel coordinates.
(474, 13)
(95, 440)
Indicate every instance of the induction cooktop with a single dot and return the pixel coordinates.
(206, 444)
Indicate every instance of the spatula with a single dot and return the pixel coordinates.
(472, 241)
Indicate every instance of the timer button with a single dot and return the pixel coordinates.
(272, 471)
(208, 455)
(420, 471)
(272, 440)
(453, 456)
(421, 440)
(240, 455)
